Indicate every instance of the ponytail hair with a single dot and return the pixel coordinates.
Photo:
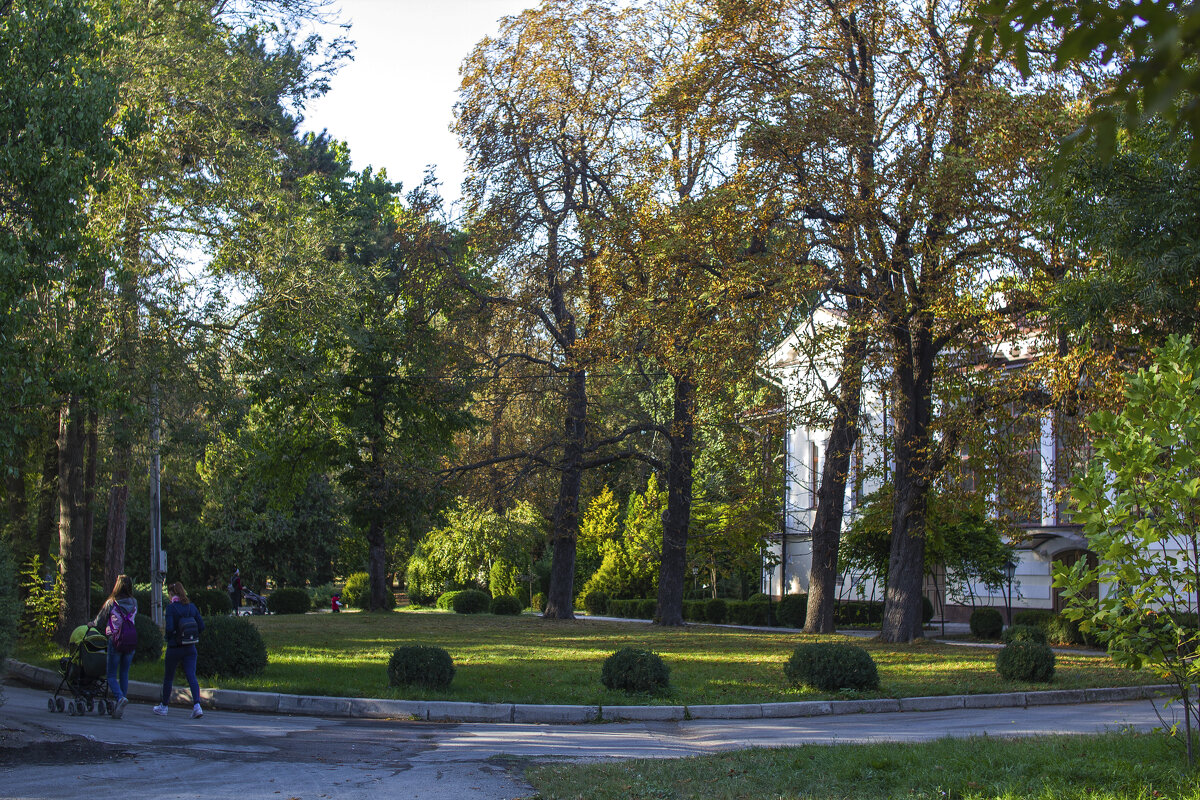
(177, 590)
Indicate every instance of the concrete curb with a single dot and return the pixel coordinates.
(446, 711)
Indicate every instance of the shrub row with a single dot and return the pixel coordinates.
(230, 647)
(789, 612)
(289, 600)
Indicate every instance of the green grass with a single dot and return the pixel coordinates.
(1108, 767)
(530, 660)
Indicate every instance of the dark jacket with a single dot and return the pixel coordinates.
(175, 612)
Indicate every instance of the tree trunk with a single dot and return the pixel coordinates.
(377, 566)
(47, 511)
(679, 505)
(89, 496)
(560, 603)
(831, 498)
(118, 524)
(906, 561)
(71, 515)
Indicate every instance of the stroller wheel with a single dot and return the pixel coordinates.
(71, 709)
(60, 704)
(90, 704)
(101, 708)
(109, 705)
(51, 706)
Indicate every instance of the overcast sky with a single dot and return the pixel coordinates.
(393, 103)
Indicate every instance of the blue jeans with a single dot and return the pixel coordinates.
(118, 672)
(184, 656)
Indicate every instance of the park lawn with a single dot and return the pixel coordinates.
(1115, 766)
(527, 659)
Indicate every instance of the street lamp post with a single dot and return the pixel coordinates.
(1010, 570)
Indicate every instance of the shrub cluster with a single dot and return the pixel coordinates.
(505, 604)
(1061, 630)
(445, 600)
(792, 610)
(150, 637)
(1039, 617)
(986, 623)
(1023, 633)
(289, 600)
(209, 602)
(595, 603)
(830, 667)
(1026, 661)
(421, 665)
(634, 670)
(715, 610)
(320, 595)
(357, 592)
(470, 601)
(639, 608)
(230, 647)
(538, 601)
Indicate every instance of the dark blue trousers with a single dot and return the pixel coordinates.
(176, 657)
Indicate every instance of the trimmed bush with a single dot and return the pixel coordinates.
(858, 612)
(792, 610)
(831, 667)
(230, 647)
(538, 602)
(1023, 633)
(1033, 616)
(595, 603)
(715, 610)
(150, 638)
(748, 612)
(986, 623)
(757, 597)
(209, 602)
(1060, 630)
(445, 600)
(420, 665)
(289, 600)
(470, 601)
(926, 610)
(634, 670)
(357, 592)
(693, 610)
(1026, 661)
(505, 604)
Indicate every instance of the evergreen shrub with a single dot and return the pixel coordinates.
(595, 603)
(858, 612)
(538, 602)
(749, 612)
(635, 670)
(420, 665)
(445, 600)
(150, 637)
(209, 602)
(986, 623)
(1026, 661)
(1023, 633)
(470, 601)
(357, 591)
(926, 610)
(693, 610)
(1033, 616)
(715, 610)
(792, 610)
(1060, 630)
(831, 667)
(320, 596)
(289, 600)
(505, 604)
(230, 647)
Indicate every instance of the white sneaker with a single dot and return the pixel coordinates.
(119, 709)
(197, 712)
(161, 710)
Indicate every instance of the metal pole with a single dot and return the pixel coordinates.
(156, 555)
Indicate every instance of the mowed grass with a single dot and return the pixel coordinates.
(1114, 766)
(527, 659)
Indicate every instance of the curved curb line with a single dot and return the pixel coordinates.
(447, 711)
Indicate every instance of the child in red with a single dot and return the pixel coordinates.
(336, 603)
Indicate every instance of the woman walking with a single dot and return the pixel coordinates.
(116, 620)
(183, 628)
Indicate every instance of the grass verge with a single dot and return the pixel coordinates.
(1118, 766)
(527, 659)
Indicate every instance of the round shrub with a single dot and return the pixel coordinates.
(595, 603)
(1033, 616)
(150, 638)
(830, 667)
(470, 601)
(230, 647)
(757, 597)
(635, 670)
(1061, 630)
(210, 602)
(716, 611)
(357, 592)
(1023, 633)
(926, 610)
(538, 601)
(505, 604)
(289, 600)
(986, 623)
(420, 665)
(445, 600)
(1026, 661)
(792, 610)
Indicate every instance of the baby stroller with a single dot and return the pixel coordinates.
(84, 675)
(255, 603)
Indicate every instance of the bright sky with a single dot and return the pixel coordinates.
(393, 105)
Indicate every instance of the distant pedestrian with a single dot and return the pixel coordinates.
(235, 591)
(116, 620)
(335, 604)
(183, 628)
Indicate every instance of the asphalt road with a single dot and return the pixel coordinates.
(239, 756)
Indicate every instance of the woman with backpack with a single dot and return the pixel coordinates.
(116, 620)
(182, 629)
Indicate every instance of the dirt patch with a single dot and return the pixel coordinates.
(44, 747)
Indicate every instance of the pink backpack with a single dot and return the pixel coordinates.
(120, 630)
